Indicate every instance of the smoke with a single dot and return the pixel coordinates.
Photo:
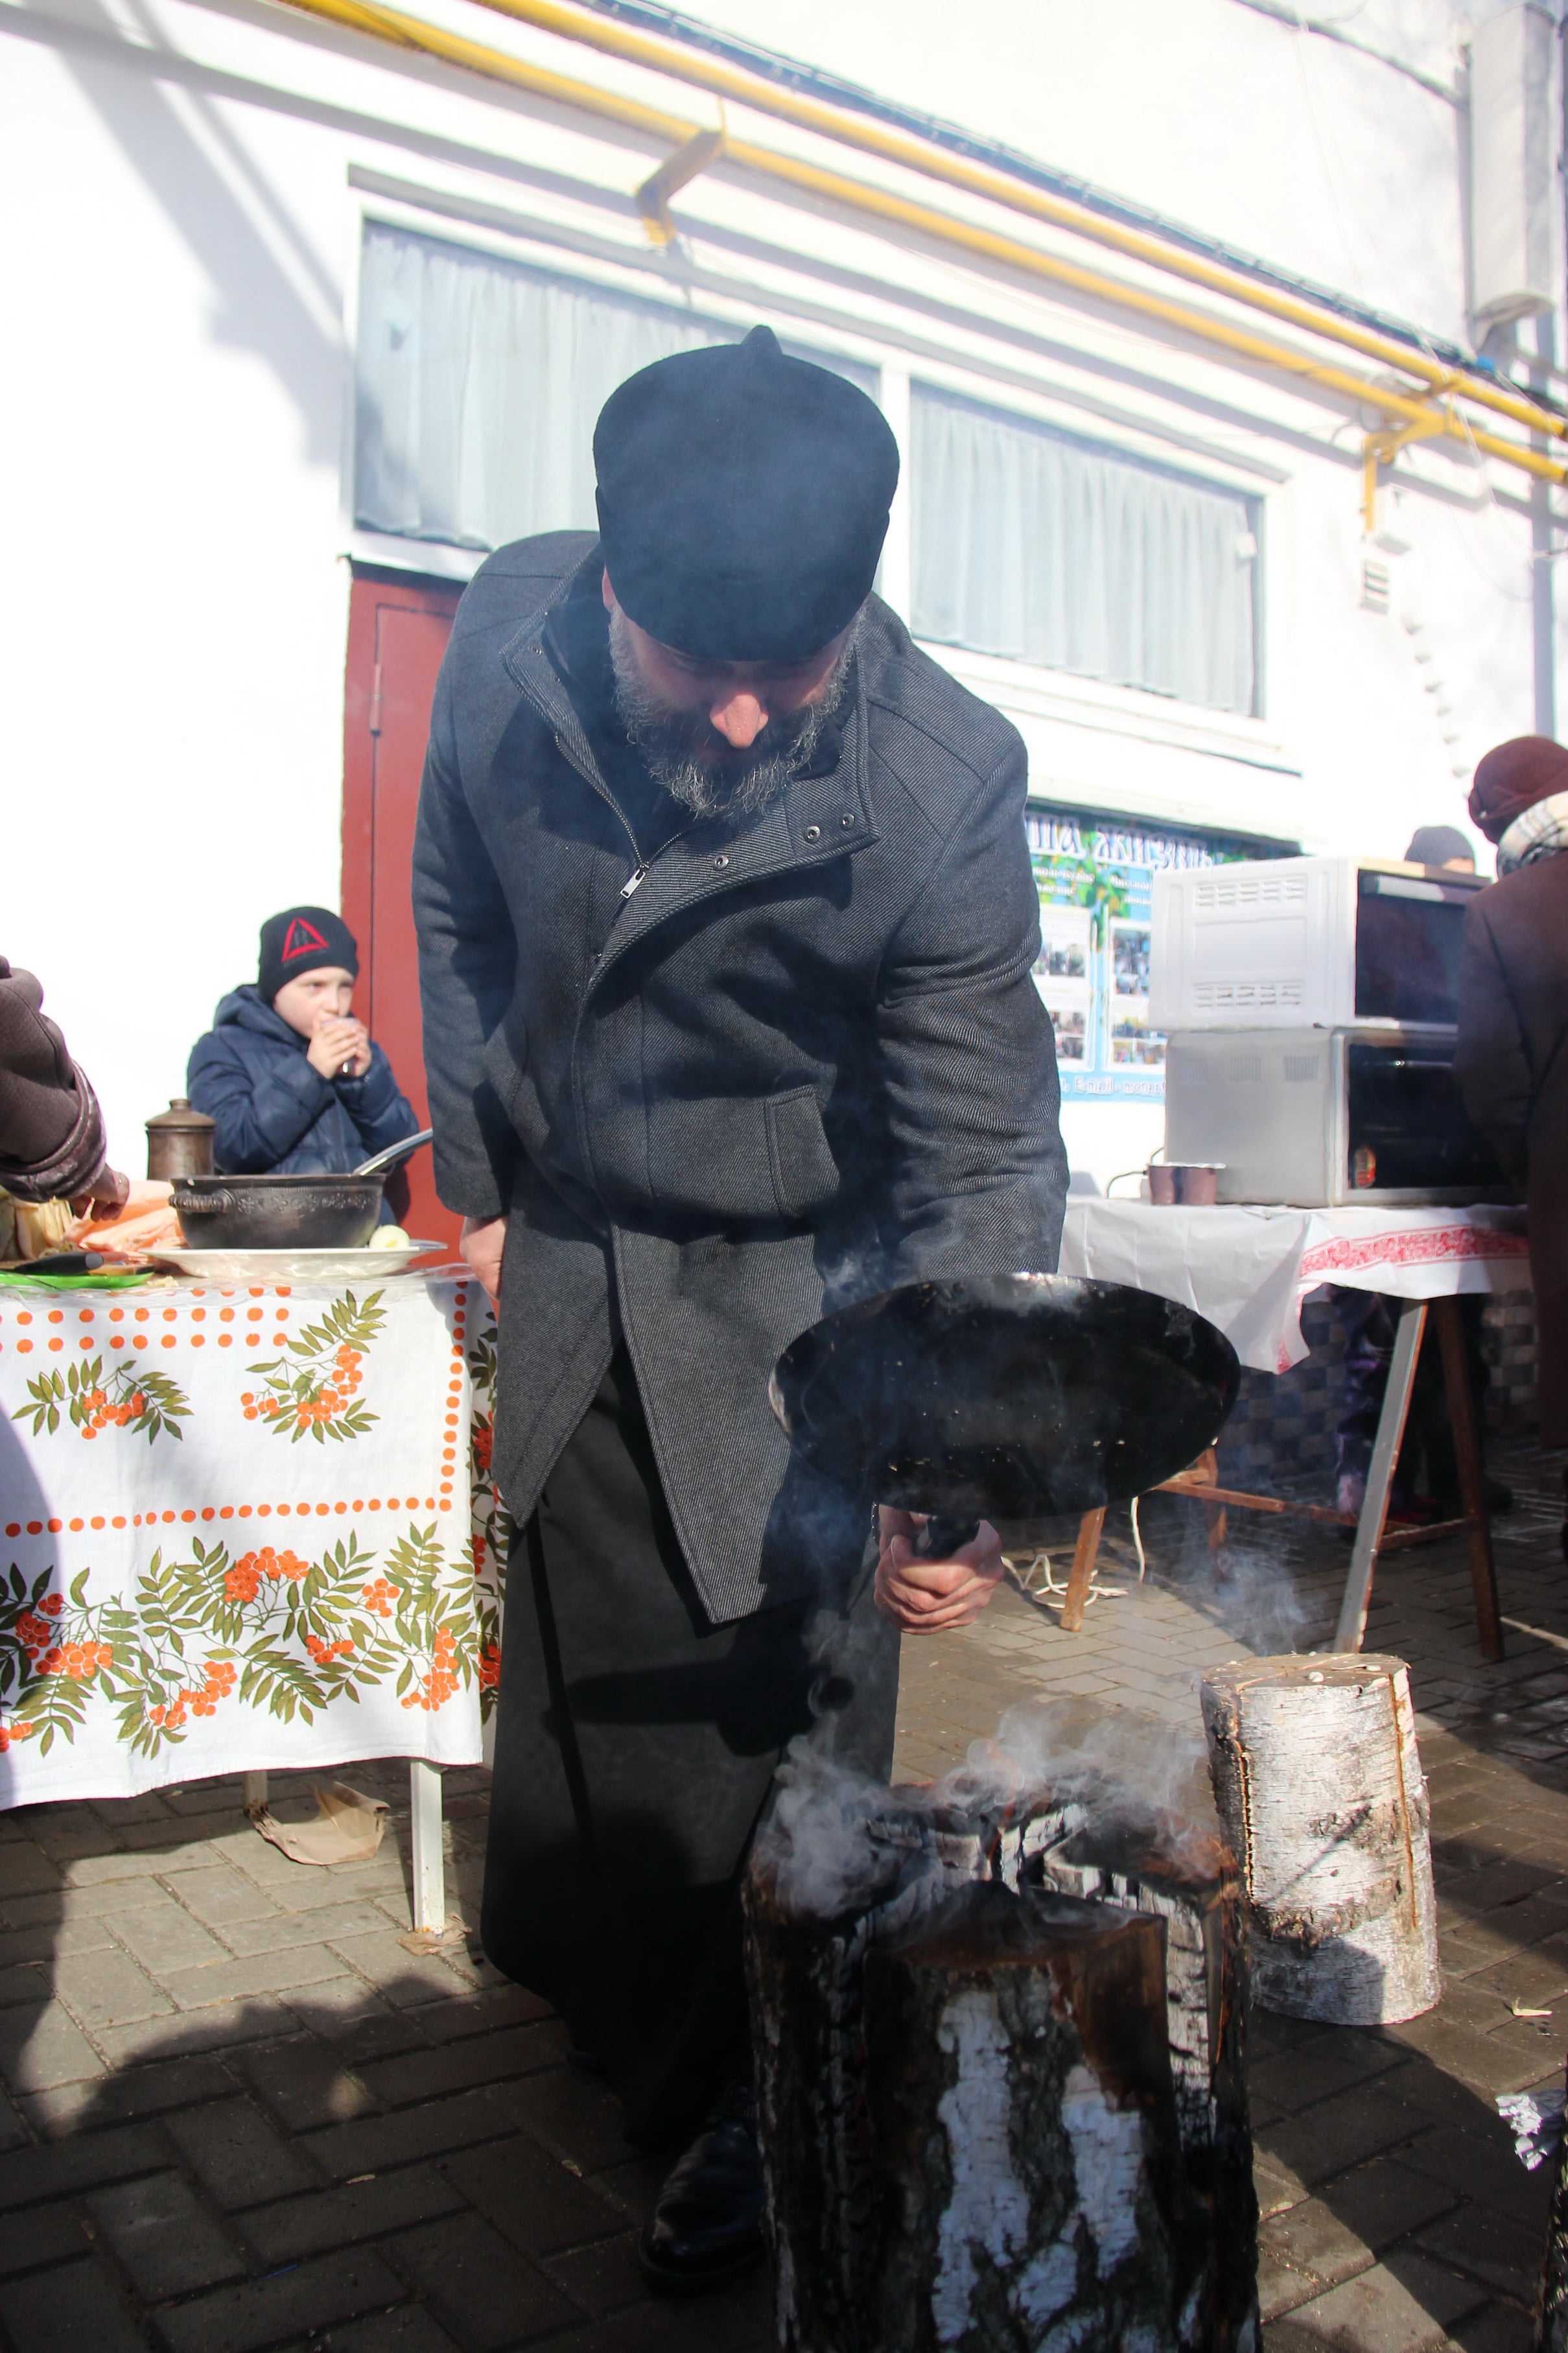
(838, 1841)
(1251, 1591)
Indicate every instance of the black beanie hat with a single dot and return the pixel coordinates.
(743, 500)
(301, 940)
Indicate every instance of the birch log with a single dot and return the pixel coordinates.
(1551, 2330)
(970, 2131)
(1320, 1788)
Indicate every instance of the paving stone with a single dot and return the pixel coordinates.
(479, 2285)
(477, 2059)
(1404, 2306)
(240, 2157)
(44, 2046)
(264, 2312)
(574, 2118)
(44, 2234)
(304, 2084)
(1313, 2239)
(106, 1988)
(532, 2199)
(162, 1936)
(502, 2005)
(1387, 2200)
(164, 2236)
(327, 1922)
(359, 2209)
(66, 2310)
(46, 1940)
(1324, 2064)
(145, 1863)
(1501, 2249)
(602, 2278)
(25, 1870)
(409, 2329)
(264, 1973)
(405, 1979)
(146, 2090)
(1280, 2288)
(428, 2130)
(222, 1896)
(1485, 2164)
(1339, 2132)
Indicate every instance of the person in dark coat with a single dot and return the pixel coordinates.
(727, 928)
(51, 1129)
(293, 1080)
(1512, 1058)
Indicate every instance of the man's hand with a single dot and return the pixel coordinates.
(341, 1047)
(482, 1242)
(927, 1596)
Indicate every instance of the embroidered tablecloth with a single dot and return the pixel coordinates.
(1248, 1269)
(245, 1528)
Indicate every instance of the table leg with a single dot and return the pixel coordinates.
(1352, 1628)
(1082, 1570)
(1472, 1481)
(253, 1792)
(429, 1866)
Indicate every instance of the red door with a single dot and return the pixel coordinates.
(397, 635)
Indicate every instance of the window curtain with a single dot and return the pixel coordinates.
(1043, 548)
(478, 383)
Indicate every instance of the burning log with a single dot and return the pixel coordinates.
(996, 2104)
(1320, 1788)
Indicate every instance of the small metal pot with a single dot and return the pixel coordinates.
(311, 1212)
(180, 1141)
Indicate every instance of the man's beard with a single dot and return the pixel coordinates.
(727, 783)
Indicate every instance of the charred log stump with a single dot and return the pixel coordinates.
(998, 2125)
(1320, 1788)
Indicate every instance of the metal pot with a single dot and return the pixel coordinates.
(311, 1212)
(180, 1141)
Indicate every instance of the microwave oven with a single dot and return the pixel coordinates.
(1299, 943)
(1323, 1118)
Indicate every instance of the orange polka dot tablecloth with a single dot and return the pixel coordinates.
(243, 1529)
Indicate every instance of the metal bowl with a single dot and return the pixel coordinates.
(308, 1212)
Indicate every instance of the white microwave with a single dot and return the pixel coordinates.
(1306, 942)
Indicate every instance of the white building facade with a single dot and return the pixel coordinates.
(314, 304)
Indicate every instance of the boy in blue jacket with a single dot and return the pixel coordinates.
(291, 1078)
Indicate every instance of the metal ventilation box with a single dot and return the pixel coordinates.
(1294, 943)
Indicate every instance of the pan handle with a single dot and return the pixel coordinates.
(199, 1205)
(943, 1535)
(394, 1154)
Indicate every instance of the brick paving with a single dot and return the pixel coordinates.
(239, 2114)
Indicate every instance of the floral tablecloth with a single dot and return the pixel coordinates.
(244, 1528)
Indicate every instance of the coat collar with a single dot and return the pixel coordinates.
(824, 814)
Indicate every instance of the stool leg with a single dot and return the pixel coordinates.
(1472, 1483)
(1386, 1447)
(253, 1792)
(429, 1865)
(1085, 1553)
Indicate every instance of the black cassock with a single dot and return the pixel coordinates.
(636, 1747)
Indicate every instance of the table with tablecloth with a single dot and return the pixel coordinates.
(246, 1528)
(1248, 1269)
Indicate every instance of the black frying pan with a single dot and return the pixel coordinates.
(1012, 1396)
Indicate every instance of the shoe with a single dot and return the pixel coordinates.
(706, 2228)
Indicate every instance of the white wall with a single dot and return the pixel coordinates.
(194, 179)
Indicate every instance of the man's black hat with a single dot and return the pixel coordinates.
(743, 499)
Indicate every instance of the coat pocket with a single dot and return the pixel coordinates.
(734, 1157)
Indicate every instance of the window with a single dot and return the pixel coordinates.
(479, 381)
(1036, 546)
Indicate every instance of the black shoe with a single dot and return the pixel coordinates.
(706, 2228)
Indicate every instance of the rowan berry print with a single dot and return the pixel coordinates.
(313, 1389)
(126, 1397)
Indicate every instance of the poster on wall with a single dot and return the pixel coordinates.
(1095, 877)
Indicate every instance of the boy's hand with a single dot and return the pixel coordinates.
(339, 1048)
(928, 1596)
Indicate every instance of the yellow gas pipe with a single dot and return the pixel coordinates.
(698, 148)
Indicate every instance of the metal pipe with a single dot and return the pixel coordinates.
(1438, 417)
(666, 57)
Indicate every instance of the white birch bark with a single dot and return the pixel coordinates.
(1320, 1788)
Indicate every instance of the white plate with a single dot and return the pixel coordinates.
(295, 1265)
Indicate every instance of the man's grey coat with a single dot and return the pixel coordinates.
(803, 1061)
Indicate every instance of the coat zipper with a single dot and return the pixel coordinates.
(639, 876)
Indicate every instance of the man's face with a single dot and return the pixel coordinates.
(324, 994)
(721, 736)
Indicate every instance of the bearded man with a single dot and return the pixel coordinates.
(727, 927)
